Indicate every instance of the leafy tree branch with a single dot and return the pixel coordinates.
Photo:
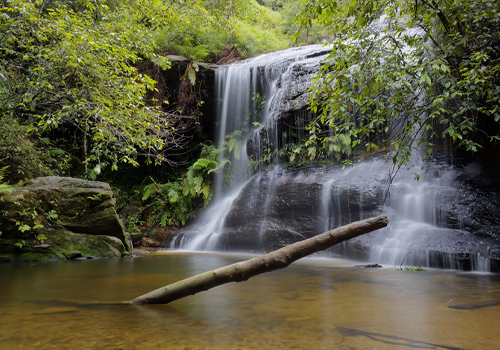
(406, 76)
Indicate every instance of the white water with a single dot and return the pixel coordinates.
(418, 233)
(205, 234)
(236, 88)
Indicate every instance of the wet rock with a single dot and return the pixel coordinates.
(272, 211)
(74, 255)
(369, 266)
(149, 243)
(456, 225)
(136, 237)
(446, 220)
(288, 113)
(476, 305)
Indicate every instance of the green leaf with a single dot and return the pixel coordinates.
(20, 244)
(51, 215)
(23, 227)
(40, 237)
(37, 225)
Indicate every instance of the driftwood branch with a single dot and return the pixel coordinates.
(278, 259)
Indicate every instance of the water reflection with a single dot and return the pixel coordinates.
(313, 304)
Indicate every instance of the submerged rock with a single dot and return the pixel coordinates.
(60, 218)
(369, 266)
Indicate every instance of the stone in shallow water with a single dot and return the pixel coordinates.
(369, 266)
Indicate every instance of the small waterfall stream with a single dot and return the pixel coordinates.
(276, 206)
(423, 230)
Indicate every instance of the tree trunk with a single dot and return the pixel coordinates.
(278, 259)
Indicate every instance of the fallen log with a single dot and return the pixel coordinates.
(275, 260)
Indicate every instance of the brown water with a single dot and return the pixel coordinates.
(313, 304)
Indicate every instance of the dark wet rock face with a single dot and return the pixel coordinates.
(57, 218)
(445, 220)
(271, 213)
(479, 185)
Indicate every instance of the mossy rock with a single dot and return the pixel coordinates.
(62, 244)
(58, 218)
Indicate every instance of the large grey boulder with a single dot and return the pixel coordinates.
(56, 218)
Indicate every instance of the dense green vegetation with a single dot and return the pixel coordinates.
(220, 31)
(72, 98)
(78, 97)
(68, 68)
(431, 74)
(218, 28)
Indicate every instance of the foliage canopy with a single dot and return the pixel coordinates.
(406, 75)
(216, 26)
(73, 63)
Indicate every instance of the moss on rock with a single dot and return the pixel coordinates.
(57, 218)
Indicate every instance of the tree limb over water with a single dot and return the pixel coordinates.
(276, 260)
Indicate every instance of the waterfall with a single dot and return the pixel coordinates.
(238, 89)
(420, 234)
(424, 229)
(262, 105)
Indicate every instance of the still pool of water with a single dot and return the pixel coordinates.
(312, 304)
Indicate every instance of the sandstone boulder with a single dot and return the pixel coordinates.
(58, 218)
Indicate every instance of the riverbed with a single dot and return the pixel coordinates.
(316, 303)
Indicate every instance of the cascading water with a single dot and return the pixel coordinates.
(424, 229)
(239, 90)
(430, 220)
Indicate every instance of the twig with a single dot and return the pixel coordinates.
(400, 266)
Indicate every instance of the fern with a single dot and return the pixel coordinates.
(207, 194)
(173, 195)
(165, 218)
(175, 202)
(148, 190)
(196, 53)
(204, 164)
